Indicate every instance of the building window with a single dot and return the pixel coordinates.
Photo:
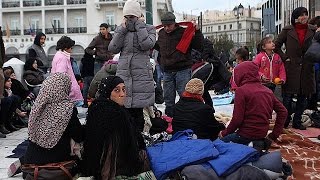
(211, 29)
(56, 23)
(79, 21)
(34, 23)
(240, 26)
(14, 24)
(110, 19)
(225, 27)
(219, 28)
(230, 26)
(231, 37)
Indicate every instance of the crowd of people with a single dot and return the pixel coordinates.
(111, 142)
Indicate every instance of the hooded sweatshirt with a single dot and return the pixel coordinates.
(253, 106)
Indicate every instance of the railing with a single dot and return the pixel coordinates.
(77, 30)
(76, 2)
(54, 30)
(10, 4)
(53, 2)
(12, 32)
(28, 3)
(31, 31)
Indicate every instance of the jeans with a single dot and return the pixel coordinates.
(172, 82)
(97, 66)
(299, 108)
(234, 137)
(86, 84)
(159, 74)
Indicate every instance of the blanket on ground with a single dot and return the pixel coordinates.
(301, 153)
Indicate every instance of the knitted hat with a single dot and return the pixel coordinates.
(107, 85)
(132, 7)
(168, 18)
(195, 86)
(296, 13)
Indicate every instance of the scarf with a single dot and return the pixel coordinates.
(186, 38)
(51, 112)
(194, 96)
(301, 30)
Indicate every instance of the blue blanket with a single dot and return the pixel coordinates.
(223, 99)
(231, 157)
(167, 157)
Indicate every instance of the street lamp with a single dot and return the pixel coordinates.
(238, 11)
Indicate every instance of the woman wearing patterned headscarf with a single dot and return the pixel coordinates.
(111, 145)
(53, 122)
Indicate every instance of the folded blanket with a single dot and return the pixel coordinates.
(167, 157)
(231, 157)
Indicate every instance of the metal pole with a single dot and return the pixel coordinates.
(238, 29)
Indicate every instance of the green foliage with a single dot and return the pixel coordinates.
(222, 43)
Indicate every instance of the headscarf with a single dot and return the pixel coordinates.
(38, 37)
(296, 13)
(28, 64)
(107, 85)
(51, 112)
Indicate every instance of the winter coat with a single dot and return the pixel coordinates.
(134, 65)
(271, 69)
(170, 58)
(104, 72)
(100, 44)
(299, 72)
(61, 63)
(33, 77)
(253, 106)
(190, 113)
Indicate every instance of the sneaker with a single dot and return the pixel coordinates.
(300, 126)
(14, 168)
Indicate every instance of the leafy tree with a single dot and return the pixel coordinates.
(222, 43)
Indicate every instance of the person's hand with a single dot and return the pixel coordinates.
(220, 135)
(318, 29)
(22, 114)
(195, 24)
(139, 25)
(265, 79)
(124, 22)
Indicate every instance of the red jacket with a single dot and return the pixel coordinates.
(253, 106)
(270, 68)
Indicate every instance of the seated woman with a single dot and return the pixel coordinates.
(112, 145)
(53, 122)
(191, 112)
(33, 76)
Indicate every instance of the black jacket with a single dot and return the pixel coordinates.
(171, 59)
(193, 114)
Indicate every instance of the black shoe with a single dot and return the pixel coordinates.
(2, 135)
(299, 126)
(3, 130)
(11, 128)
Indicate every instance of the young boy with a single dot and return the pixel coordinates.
(242, 55)
(253, 106)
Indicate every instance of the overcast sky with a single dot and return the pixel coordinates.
(201, 5)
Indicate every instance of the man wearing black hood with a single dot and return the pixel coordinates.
(99, 47)
(297, 38)
(37, 52)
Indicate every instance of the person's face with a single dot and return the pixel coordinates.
(69, 50)
(35, 65)
(42, 40)
(269, 45)
(131, 18)
(239, 59)
(13, 76)
(118, 94)
(8, 84)
(103, 31)
(168, 28)
(303, 19)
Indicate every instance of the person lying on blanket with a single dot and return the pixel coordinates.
(253, 107)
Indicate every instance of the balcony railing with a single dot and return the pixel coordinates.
(10, 4)
(53, 2)
(12, 32)
(31, 31)
(29, 3)
(54, 31)
(77, 30)
(76, 2)
(106, 0)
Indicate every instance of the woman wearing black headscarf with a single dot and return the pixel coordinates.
(111, 146)
(37, 52)
(297, 38)
(33, 76)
